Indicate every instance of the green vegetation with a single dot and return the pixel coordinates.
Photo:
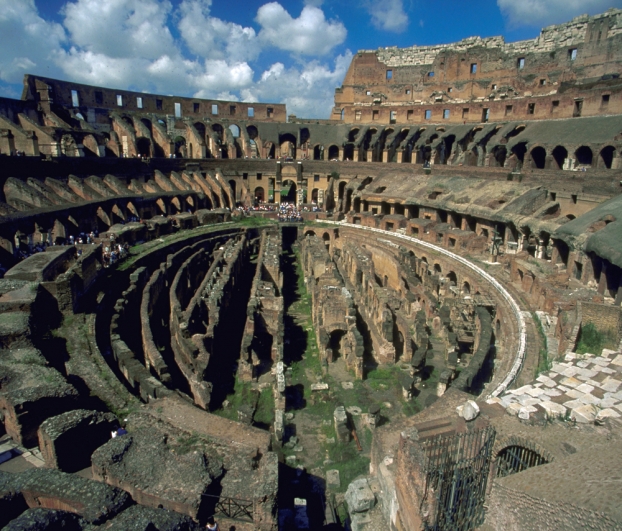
(349, 461)
(242, 394)
(592, 341)
(187, 443)
(265, 407)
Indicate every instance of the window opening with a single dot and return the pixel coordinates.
(139, 102)
(520, 63)
(389, 75)
(159, 105)
(177, 110)
(75, 101)
(119, 100)
(251, 112)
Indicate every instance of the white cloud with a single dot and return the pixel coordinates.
(388, 15)
(120, 28)
(214, 38)
(309, 34)
(542, 13)
(27, 41)
(128, 44)
(307, 91)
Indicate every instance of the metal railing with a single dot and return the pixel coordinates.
(233, 508)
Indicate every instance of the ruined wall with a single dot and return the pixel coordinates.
(487, 79)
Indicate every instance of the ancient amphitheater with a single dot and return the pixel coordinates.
(405, 317)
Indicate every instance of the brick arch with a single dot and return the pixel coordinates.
(516, 440)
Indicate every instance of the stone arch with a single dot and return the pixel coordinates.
(466, 288)
(333, 152)
(584, 156)
(318, 152)
(259, 194)
(314, 195)
(117, 215)
(287, 145)
(437, 268)
(499, 154)
(453, 277)
(180, 147)
(560, 154)
(538, 157)
(143, 146)
(515, 454)
(605, 157)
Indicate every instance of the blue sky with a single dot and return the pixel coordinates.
(293, 51)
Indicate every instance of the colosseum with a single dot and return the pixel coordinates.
(405, 317)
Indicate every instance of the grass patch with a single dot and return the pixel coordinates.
(349, 461)
(242, 394)
(592, 341)
(265, 407)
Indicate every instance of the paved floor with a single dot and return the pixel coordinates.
(584, 388)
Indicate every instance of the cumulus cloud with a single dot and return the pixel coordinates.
(214, 38)
(388, 15)
(309, 34)
(28, 42)
(542, 13)
(131, 44)
(120, 28)
(308, 91)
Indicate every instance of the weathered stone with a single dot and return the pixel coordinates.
(359, 496)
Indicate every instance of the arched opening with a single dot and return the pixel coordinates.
(287, 144)
(143, 146)
(352, 134)
(180, 147)
(342, 187)
(560, 154)
(318, 152)
(348, 152)
(314, 195)
(514, 459)
(288, 192)
(519, 150)
(271, 150)
(466, 288)
(259, 194)
(452, 277)
(437, 268)
(333, 153)
(235, 130)
(499, 154)
(606, 156)
(538, 156)
(334, 343)
(232, 184)
(583, 155)
(444, 149)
